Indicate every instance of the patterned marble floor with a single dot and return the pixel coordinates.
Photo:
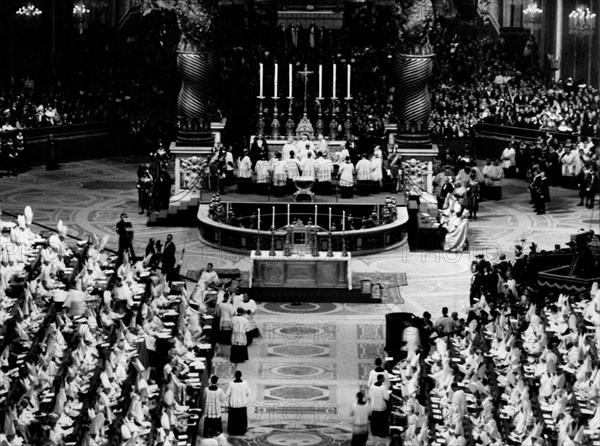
(312, 360)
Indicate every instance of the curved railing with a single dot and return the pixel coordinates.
(243, 240)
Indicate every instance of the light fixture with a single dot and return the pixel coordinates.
(79, 9)
(28, 11)
(582, 22)
(533, 15)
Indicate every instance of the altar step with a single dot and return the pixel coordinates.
(315, 295)
(180, 213)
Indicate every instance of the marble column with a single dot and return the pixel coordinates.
(559, 36)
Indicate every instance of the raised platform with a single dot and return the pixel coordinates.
(317, 295)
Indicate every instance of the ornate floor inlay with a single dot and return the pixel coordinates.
(303, 308)
(298, 393)
(299, 350)
(371, 351)
(294, 333)
(370, 332)
(291, 370)
(294, 434)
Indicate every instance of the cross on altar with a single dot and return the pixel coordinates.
(305, 73)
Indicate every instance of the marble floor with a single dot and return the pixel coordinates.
(312, 360)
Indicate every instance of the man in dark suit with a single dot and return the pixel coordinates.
(125, 232)
(168, 258)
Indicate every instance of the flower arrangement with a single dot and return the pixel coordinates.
(196, 20)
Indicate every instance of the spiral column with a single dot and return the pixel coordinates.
(413, 102)
(196, 69)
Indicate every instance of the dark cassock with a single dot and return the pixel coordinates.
(238, 393)
(168, 258)
(239, 340)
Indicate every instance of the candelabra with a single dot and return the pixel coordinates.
(533, 15)
(28, 11)
(287, 251)
(333, 125)
(257, 252)
(260, 128)
(314, 242)
(348, 122)
(344, 251)
(272, 251)
(329, 246)
(319, 125)
(79, 12)
(289, 125)
(275, 125)
(582, 23)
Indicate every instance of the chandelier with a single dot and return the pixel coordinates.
(79, 9)
(28, 11)
(582, 22)
(533, 14)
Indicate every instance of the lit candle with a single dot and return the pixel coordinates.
(343, 220)
(320, 81)
(315, 222)
(348, 82)
(329, 218)
(333, 96)
(290, 77)
(261, 73)
(273, 219)
(276, 80)
(288, 214)
(258, 221)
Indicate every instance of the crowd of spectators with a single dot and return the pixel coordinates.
(476, 80)
(520, 367)
(133, 77)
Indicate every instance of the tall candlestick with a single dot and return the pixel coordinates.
(276, 80)
(343, 220)
(288, 214)
(334, 75)
(258, 221)
(273, 219)
(320, 81)
(348, 81)
(315, 215)
(330, 218)
(290, 80)
(261, 73)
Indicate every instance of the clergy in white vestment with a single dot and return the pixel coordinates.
(238, 393)
(288, 147)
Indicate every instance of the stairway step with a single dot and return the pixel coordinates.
(163, 214)
(183, 205)
(153, 217)
(194, 201)
(173, 208)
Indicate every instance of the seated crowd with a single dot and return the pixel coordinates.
(95, 351)
(521, 368)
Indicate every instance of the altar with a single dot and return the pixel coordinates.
(300, 270)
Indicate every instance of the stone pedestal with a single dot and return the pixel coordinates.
(184, 152)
